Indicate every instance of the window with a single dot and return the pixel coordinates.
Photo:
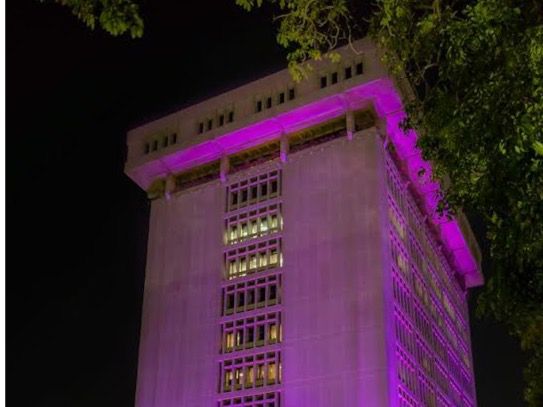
(230, 117)
(334, 78)
(359, 68)
(155, 145)
(258, 370)
(262, 187)
(165, 142)
(209, 124)
(252, 224)
(282, 97)
(271, 399)
(147, 148)
(268, 102)
(291, 94)
(259, 293)
(221, 120)
(259, 106)
(173, 138)
(348, 72)
(324, 81)
(200, 127)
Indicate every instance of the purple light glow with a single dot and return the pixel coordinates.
(386, 101)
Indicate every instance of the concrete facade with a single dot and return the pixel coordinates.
(310, 271)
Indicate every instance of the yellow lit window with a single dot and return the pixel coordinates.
(271, 373)
(263, 259)
(239, 338)
(259, 372)
(264, 224)
(244, 230)
(273, 333)
(238, 376)
(249, 377)
(228, 376)
(232, 233)
(252, 262)
(254, 227)
(229, 341)
(243, 265)
(274, 222)
(232, 269)
(274, 257)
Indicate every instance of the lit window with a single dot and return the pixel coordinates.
(239, 338)
(259, 374)
(263, 259)
(244, 230)
(273, 333)
(274, 257)
(252, 262)
(249, 376)
(228, 376)
(271, 373)
(274, 223)
(229, 341)
(264, 224)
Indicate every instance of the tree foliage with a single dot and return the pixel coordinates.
(117, 17)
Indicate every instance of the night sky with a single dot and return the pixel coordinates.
(77, 226)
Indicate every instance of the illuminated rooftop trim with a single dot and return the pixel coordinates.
(386, 101)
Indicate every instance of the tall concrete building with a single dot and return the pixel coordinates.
(295, 256)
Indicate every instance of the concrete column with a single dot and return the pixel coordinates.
(170, 186)
(224, 168)
(283, 147)
(349, 117)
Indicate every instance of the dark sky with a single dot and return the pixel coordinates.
(77, 226)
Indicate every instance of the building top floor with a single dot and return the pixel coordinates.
(272, 111)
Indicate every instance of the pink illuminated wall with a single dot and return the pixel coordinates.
(364, 285)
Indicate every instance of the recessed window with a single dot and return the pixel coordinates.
(155, 145)
(209, 124)
(324, 82)
(282, 97)
(291, 94)
(230, 117)
(165, 141)
(147, 148)
(334, 78)
(359, 68)
(268, 102)
(200, 127)
(259, 106)
(221, 120)
(348, 72)
(173, 138)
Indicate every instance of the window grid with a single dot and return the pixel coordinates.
(430, 310)
(250, 295)
(272, 399)
(252, 224)
(253, 258)
(251, 191)
(247, 333)
(263, 369)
